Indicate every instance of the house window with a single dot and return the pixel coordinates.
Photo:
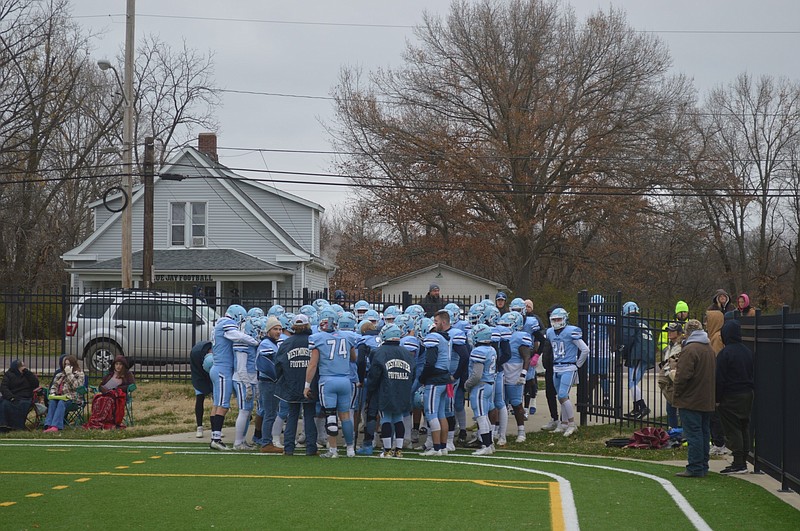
(188, 224)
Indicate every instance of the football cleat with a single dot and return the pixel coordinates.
(218, 445)
(330, 454)
(550, 426)
(484, 450)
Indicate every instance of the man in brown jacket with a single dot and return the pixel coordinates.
(694, 396)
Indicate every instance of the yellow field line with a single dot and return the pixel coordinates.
(556, 511)
(483, 482)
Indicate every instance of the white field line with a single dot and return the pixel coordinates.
(682, 503)
(570, 512)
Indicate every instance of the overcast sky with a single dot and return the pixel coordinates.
(298, 48)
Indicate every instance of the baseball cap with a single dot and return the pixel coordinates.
(675, 327)
(500, 296)
(300, 319)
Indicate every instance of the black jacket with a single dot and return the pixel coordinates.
(200, 378)
(391, 376)
(431, 304)
(734, 363)
(291, 363)
(18, 386)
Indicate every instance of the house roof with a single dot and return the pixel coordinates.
(229, 180)
(433, 267)
(192, 260)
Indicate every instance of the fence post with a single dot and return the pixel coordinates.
(194, 320)
(784, 383)
(756, 464)
(64, 314)
(618, 405)
(306, 297)
(583, 321)
(406, 297)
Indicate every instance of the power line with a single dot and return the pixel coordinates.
(406, 26)
(596, 190)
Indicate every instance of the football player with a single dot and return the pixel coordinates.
(480, 384)
(514, 370)
(332, 354)
(226, 332)
(391, 376)
(438, 382)
(569, 354)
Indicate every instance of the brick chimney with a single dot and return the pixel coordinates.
(207, 143)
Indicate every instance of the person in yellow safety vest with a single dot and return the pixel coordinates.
(681, 316)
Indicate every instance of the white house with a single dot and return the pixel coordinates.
(454, 284)
(213, 229)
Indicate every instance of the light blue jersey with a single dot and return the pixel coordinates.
(519, 339)
(531, 325)
(565, 349)
(437, 341)
(334, 353)
(223, 347)
(486, 355)
(354, 338)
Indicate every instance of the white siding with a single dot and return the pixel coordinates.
(230, 225)
(316, 278)
(450, 283)
(293, 217)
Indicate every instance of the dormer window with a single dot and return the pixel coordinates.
(188, 223)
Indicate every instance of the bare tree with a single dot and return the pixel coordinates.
(175, 93)
(749, 131)
(513, 118)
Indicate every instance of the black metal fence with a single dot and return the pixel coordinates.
(775, 342)
(154, 330)
(609, 384)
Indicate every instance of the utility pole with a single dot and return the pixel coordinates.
(127, 148)
(147, 252)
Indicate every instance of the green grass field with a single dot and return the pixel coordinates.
(96, 484)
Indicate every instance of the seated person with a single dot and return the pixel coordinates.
(118, 377)
(63, 393)
(17, 396)
(108, 406)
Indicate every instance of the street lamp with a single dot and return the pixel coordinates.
(126, 84)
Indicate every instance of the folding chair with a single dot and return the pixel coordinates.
(129, 404)
(76, 413)
(34, 420)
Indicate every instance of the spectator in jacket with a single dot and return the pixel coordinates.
(681, 316)
(291, 363)
(694, 396)
(432, 302)
(17, 389)
(118, 377)
(734, 394)
(714, 319)
(721, 302)
(63, 393)
(743, 305)
(669, 361)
